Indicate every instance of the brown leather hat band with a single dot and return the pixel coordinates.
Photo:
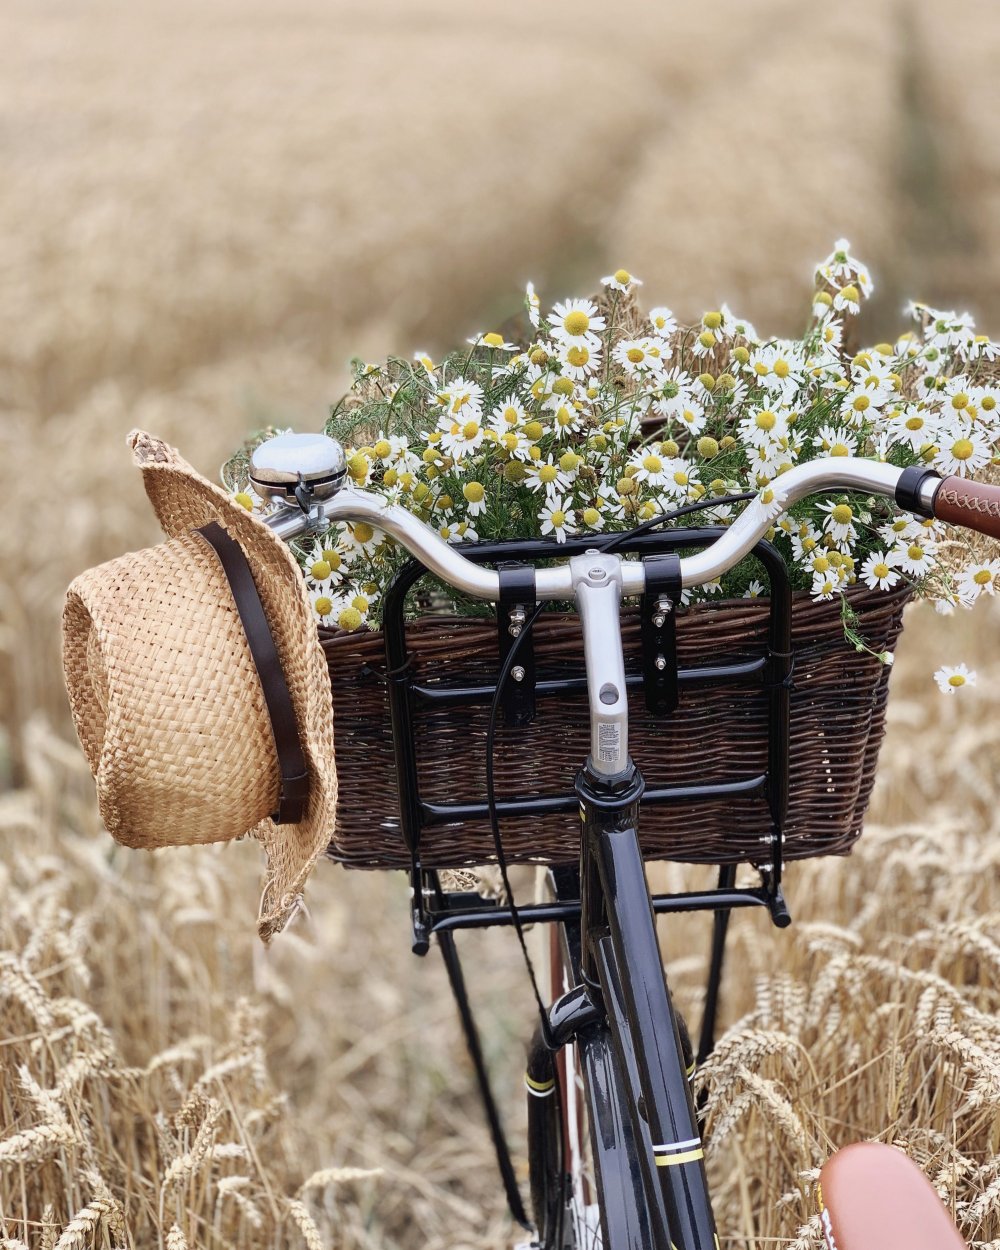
(291, 761)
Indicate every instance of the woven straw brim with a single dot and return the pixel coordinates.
(166, 699)
(111, 656)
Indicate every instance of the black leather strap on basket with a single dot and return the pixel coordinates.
(517, 599)
(277, 698)
(659, 631)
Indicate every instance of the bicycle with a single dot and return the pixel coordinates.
(611, 1030)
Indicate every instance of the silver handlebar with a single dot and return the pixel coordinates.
(351, 505)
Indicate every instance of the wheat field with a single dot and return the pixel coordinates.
(206, 210)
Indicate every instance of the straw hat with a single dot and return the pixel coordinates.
(180, 720)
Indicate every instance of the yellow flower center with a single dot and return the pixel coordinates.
(706, 338)
(623, 276)
(712, 320)
(880, 570)
(914, 423)
(916, 552)
(681, 478)
(357, 467)
(782, 368)
(842, 514)
(360, 602)
(576, 322)
(652, 464)
(960, 401)
(548, 473)
(382, 448)
(578, 356)
(766, 420)
(332, 558)
(840, 449)
(956, 680)
(470, 429)
(982, 576)
(533, 430)
(849, 293)
(669, 448)
(568, 461)
(320, 570)
(390, 477)
(349, 619)
(509, 441)
(323, 605)
(761, 369)
(244, 500)
(558, 518)
(564, 417)
(493, 339)
(474, 492)
(821, 564)
(707, 447)
(861, 402)
(591, 516)
(635, 354)
(989, 403)
(363, 532)
(962, 448)
(563, 386)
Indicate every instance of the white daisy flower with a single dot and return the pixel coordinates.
(860, 404)
(662, 321)
(771, 501)
(650, 468)
(681, 478)
(839, 266)
(945, 330)
(460, 400)
(765, 427)
(637, 359)
(961, 450)
(546, 475)
(532, 304)
(577, 320)
(495, 342)
(566, 420)
(901, 529)
(425, 362)
(556, 518)
(323, 566)
(848, 299)
(915, 424)
(978, 579)
(323, 603)
(835, 440)
(914, 556)
(755, 590)
(358, 537)
(592, 516)
(621, 280)
(806, 542)
(579, 359)
(460, 439)
(507, 416)
(475, 497)
(878, 572)
(839, 520)
(950, 678)
(825, 585)
(982, 347)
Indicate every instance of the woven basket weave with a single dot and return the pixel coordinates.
(718, 733)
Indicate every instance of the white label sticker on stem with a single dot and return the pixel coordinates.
(609, 742)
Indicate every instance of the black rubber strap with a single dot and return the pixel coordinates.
(659, 641)
(517, 590)
(291, 761)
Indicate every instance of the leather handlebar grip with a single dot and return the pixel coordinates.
(974, 505)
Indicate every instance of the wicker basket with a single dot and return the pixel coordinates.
(718, 733)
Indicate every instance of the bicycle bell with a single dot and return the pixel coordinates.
(298, 469)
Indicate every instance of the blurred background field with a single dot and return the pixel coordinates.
(205, 211)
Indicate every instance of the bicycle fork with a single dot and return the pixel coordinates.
(621, 954)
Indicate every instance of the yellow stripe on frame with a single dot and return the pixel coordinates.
(689, 1156)
(542, 1087)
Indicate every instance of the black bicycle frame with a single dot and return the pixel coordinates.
(614, 914)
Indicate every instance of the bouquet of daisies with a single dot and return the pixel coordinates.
(604, 417)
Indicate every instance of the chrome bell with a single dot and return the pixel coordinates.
(298, 469)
